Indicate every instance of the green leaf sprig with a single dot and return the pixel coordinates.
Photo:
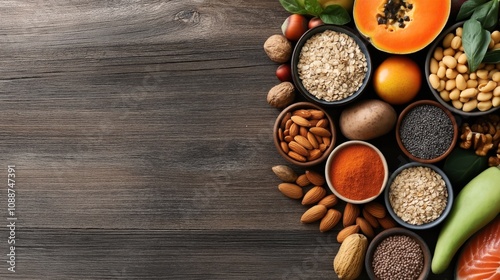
(331, 14)
(483, 16)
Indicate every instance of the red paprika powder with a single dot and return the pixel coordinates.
(357, 172)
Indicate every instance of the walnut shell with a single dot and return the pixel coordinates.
(278, 48)
(281, 95)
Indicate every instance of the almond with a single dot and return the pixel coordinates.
(351, 212)
(303, 131)
(302, 180)
(294, 130)
(376, 209)
(284, 146)
(387, 222)
(299, 149)
(330, 220)
(314, 195)
(301, 121)
(318, 130)
(322, 123)
(365, 227)
(285, 120)
(315, 178)
(285, 173)
(369, 218)
(291, 190)
(296, 156)
(313, 214)
(312, 140)
(316, 114)
(303, 113)
(329, 201)
(345, 232)
(314, 154)
(303, 141)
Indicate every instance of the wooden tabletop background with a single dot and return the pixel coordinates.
(142, 144)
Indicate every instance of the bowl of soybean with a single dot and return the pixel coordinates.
(398, 253)
(426, 131)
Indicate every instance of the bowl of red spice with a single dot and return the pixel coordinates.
(398, 253)
(356, 172)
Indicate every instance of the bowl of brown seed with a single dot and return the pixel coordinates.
(398, 253)
(418, 196)
(331, 65)
(304, 134)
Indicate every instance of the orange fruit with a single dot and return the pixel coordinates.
(397, 80)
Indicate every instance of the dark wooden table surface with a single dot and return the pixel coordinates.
(142, 145)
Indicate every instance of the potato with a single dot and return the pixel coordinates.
(367, 119)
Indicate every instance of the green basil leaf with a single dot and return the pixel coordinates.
(292, 6)
(475, 40)
(468, 8)
(335, 14)
(313, 7)
(487, 14)
(492, 56)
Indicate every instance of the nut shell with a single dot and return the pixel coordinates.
(278, 48)
(281, 95)
(348, 263)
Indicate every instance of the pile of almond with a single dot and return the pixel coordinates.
(309, 187)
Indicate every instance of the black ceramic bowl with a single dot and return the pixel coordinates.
(399, 220)
(437, 42)
(296, 55)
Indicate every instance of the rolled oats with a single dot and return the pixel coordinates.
(418, 195)
(332, 66)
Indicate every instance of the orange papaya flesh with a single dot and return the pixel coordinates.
(401, 26)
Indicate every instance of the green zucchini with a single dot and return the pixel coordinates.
(476, 205)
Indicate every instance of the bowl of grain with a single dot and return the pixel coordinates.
(356, 172)
(331, 65)
(418, 196)
(452, 83)
(426, 131)
(398, 253)
(304, 134)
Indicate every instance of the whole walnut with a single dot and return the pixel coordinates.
(281, 95)
(278, 48)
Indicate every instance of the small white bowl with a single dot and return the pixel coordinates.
(335, 153)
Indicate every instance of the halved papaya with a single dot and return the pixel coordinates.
(401, 26)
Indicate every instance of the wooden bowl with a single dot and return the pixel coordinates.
(403, 114)
(398, 231)
(279, 123)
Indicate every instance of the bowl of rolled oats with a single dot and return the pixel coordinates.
(418, 195)
(331, 65)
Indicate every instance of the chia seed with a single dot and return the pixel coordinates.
(426, 132)
(398, 257)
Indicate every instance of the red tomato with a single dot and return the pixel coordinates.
(315, 21)
(284, 73)
(294, 26)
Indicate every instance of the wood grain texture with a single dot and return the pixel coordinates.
(142, 143)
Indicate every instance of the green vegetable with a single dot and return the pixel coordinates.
(463, 165)
(332, 14)
(475, 40)
(476, 37)
(476, 205)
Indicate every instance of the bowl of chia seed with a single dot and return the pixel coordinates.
(426, 131)
(418, 196)
(398, 253)
(331, 65)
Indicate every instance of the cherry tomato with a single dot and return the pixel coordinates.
(294, 26)
(284, 73)
(315, 21)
